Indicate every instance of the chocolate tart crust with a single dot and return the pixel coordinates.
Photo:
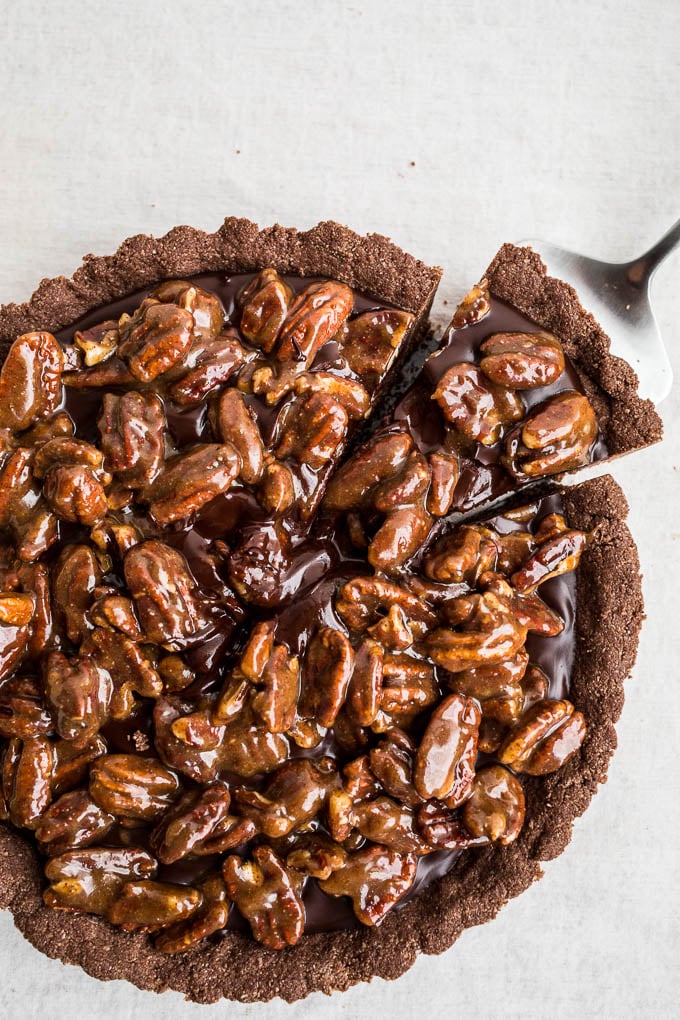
(372, 264)
(608, 619)
(627, 422)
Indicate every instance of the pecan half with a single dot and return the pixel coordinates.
(370, 341)
(23, 712)
(148, 905)
(326, 672)
(445, 761)
(362, 602)
(522, 361)
(91, 879)
(80, 693)
(206, 309)
(390, 824)
(131, 786)
(375, 879)
(75, 494)
(316, 315)
(495, 807)
(72, 821)
(170, 607)
(462, 556)
(154, 338)
(30, 380)
(556, 436)
(314, 427)
(132, 429)
(190, 480)
(28, 770)
(445, 472)
(474, 405)
(235, 424)
(489, 634)
(128, 667)
(264, 306)
(381, 459)
(547, 736)
(392, 764)
(294, 795)
(266, 895)
(558, 555)
(209, 918)
(210, 363)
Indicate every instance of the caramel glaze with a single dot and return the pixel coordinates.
(309, 567)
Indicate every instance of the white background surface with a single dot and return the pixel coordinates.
(451, 127)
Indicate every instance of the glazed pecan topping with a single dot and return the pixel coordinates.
(172, 755)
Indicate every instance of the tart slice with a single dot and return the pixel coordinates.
(522, 388)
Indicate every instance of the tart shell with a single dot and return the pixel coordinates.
(608, 618)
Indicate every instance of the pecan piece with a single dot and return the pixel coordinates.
(393, 631)
(169, 604)
(347, 392)
(294, 795)
(23, 712)
(71, 763)
(363, 601)
(392, 764)
(264, 304)
(236, 424)
(14, 634)
(546, 737)
(70, 451)
(390, 824)
(134, 787)
(277, 490)
(266, 895)
(210, 917)
(399, 538)
(375, 879)
(445, 472)
(91, 879)
(556, 436)
(495, 807)
(316, 315)
(35, 580)
(406, 487)
(370, 341)
(409, 687)
(117, 612)
(535, 686)
(316, 856)
(72, 821)
(443, 830)
(97, 343)
(128, 667)
(206, 309)
(462, 556)
(147, 905)
(80, 693)
(30, 380)
(154, 338)
(474, 405)
(190, 822)
(195, 760)
(445, 761)
(326, 671)
(132, 428)
(314, 427)
(248, 749)
(275, 702)
(381, 459)
(475, 306)
(522, 361)
(497, 687)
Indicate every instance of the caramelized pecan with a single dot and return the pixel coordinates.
(362, 602)
(80, 693)
(556, 556)
(206, 309)
(489, 633)
(544, 738)
(445, 761)
(495, 807)
(30, 380)
(370, 341)
(148, 905)
(236, 425)
(556, 436)
(266, 895)
(474, 307)
(130, 670)
(316, 315)
(131, 786)
(210, 363)
(379, 460)
(462, 556)
(154, 338)
(23, 712)
(91, 879)
(314, 427)
(294, 795)
(132, 429)
(190, 480)
(522, 361)
(375, 879)
(326, 671)
(210, 917)
(474, 405)
(28, 771)
(170, 607)
(264, 306)
(72, 821)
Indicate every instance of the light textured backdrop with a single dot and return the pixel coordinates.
(451, 126)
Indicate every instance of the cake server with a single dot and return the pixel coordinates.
(617, 294)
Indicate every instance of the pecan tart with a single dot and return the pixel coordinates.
(238, 716)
